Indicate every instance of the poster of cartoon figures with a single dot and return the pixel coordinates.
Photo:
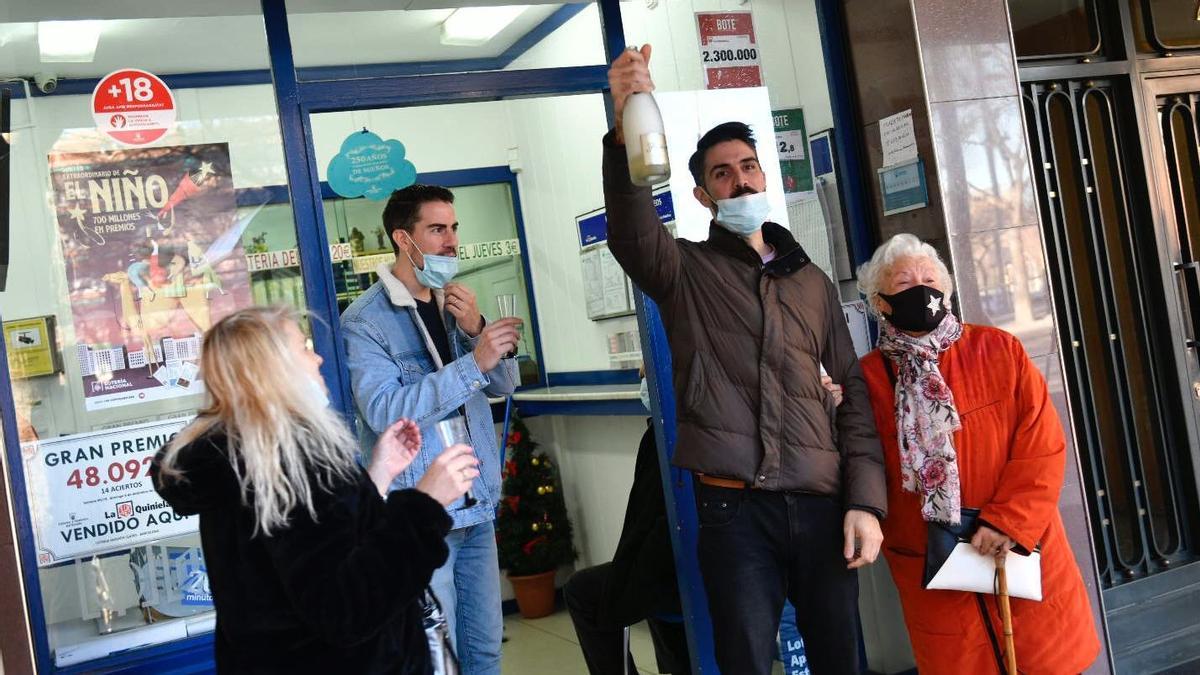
(153, 253)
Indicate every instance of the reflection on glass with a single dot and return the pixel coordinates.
(1183, 164)
(1186, 161)
(128, 254)
(1053, 27)
(270, 243)
(1174, 24)
(490, 261)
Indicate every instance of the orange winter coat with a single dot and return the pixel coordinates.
(1011, 459)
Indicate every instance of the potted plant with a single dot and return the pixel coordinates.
(533, 532)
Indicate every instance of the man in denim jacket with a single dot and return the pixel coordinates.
(418, 347)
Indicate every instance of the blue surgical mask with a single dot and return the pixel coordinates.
(645, 394)
(743, 215)
(439, 269)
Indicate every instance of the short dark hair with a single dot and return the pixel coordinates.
(404, 206)
(729, 131)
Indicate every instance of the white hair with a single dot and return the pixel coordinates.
(871, 275)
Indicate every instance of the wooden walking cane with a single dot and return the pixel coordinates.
(1010, 653)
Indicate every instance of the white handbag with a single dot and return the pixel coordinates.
(966, 569)
(952, 564)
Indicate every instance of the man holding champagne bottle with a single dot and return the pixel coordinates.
(789, 483)
(419, 348)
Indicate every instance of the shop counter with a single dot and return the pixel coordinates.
(594, 399)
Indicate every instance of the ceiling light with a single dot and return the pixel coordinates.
(68, 41)
(471, 26)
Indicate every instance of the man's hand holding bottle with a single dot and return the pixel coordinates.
(629, 74)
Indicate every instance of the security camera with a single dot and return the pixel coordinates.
(46, 82)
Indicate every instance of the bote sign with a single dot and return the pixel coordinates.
(133, 106)
(729, 50)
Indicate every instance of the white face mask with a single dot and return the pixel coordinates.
(743, 215)
(439, 269)
(644, 394)
(316, 391)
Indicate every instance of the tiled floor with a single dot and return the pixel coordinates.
(549, 646)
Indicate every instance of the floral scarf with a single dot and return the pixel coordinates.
(926, 417)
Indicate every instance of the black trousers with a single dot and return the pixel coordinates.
(757, 548)
(603, 644)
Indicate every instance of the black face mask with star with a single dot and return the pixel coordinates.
(919, 309)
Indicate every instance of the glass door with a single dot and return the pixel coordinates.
(136, 232)
(489, 246)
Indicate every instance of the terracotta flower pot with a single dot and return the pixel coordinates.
(535, 594)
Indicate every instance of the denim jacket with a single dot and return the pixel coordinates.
(395, 372)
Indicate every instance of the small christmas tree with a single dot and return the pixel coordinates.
(533, 533)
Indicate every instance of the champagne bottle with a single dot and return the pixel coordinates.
(645, 140)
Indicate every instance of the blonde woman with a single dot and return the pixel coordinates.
(311, 569)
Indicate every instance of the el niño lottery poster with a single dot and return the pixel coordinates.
(152, 247)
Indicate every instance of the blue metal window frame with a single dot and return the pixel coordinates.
(560, 16)
(850, 166)
(399, 85)
(298, 100)
(486, 175)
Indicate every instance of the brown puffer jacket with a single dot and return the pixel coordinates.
(747, 341)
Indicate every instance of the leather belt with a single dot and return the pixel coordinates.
(717, 481)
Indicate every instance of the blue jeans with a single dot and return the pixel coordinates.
(468, 586)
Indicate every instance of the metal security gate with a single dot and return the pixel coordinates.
(1121, 356)
(1179, 116)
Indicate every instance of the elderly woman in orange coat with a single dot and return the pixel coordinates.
(966, 421)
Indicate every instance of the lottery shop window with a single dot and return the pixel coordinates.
(131, 239)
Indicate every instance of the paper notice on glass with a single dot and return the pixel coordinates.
(729, 50)
(791, 140)
(616, 299)
(152, 251)
(91, 493)
(593, 287)
(898, 139)
(855, 314)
